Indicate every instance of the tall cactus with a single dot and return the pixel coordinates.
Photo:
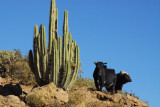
(59, 62)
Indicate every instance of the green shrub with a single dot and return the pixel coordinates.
(13, 65)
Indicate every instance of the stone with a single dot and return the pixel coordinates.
(43, 96)
(116, 97)
(11, 101)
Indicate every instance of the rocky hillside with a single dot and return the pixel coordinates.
(89, 98)
(78, 96)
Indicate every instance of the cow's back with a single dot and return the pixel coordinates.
(110, 76)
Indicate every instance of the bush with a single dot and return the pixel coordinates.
(85, 82)
(13, 65)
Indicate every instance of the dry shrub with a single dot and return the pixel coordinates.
(76, 96)
(84, 82)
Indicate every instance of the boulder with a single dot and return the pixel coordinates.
(11, 101)
(46, 95)
(116, 97)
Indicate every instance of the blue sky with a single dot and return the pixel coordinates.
(123, 33)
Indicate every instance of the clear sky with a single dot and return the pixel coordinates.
(123, 33)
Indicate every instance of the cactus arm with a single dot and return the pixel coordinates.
(31, 62)
(60, 51)
(42, 50)
(36, 53)
(65, 23)
(70, 47)
(55, 67)
(37, 75)
(52, 22)
(68, 74)
(56, 24)
(65, 50)
(76, 71)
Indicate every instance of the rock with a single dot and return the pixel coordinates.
(11, 101)
(2, 80)
(45, 95)
(116, 97)
(102, 96)
(135, 101)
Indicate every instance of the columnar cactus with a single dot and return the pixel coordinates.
(59, 63)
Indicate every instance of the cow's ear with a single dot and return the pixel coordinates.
(95, 62)
(104, 62)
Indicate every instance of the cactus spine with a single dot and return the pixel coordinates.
(59, 62)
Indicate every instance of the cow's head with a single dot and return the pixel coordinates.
(100, 64)
(125, 77)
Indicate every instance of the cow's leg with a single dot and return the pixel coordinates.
(101, 88)
(96, 84)
(113, 87)
(101, 85)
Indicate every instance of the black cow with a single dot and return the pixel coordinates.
(104, 77)
(122, 78)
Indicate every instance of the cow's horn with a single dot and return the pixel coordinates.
(124, 72)
(95, 62)
(104, 62)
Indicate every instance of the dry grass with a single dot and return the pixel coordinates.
(84, 82)
(77, 94)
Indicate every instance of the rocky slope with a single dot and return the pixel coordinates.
(88, 98)
(51, 96)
